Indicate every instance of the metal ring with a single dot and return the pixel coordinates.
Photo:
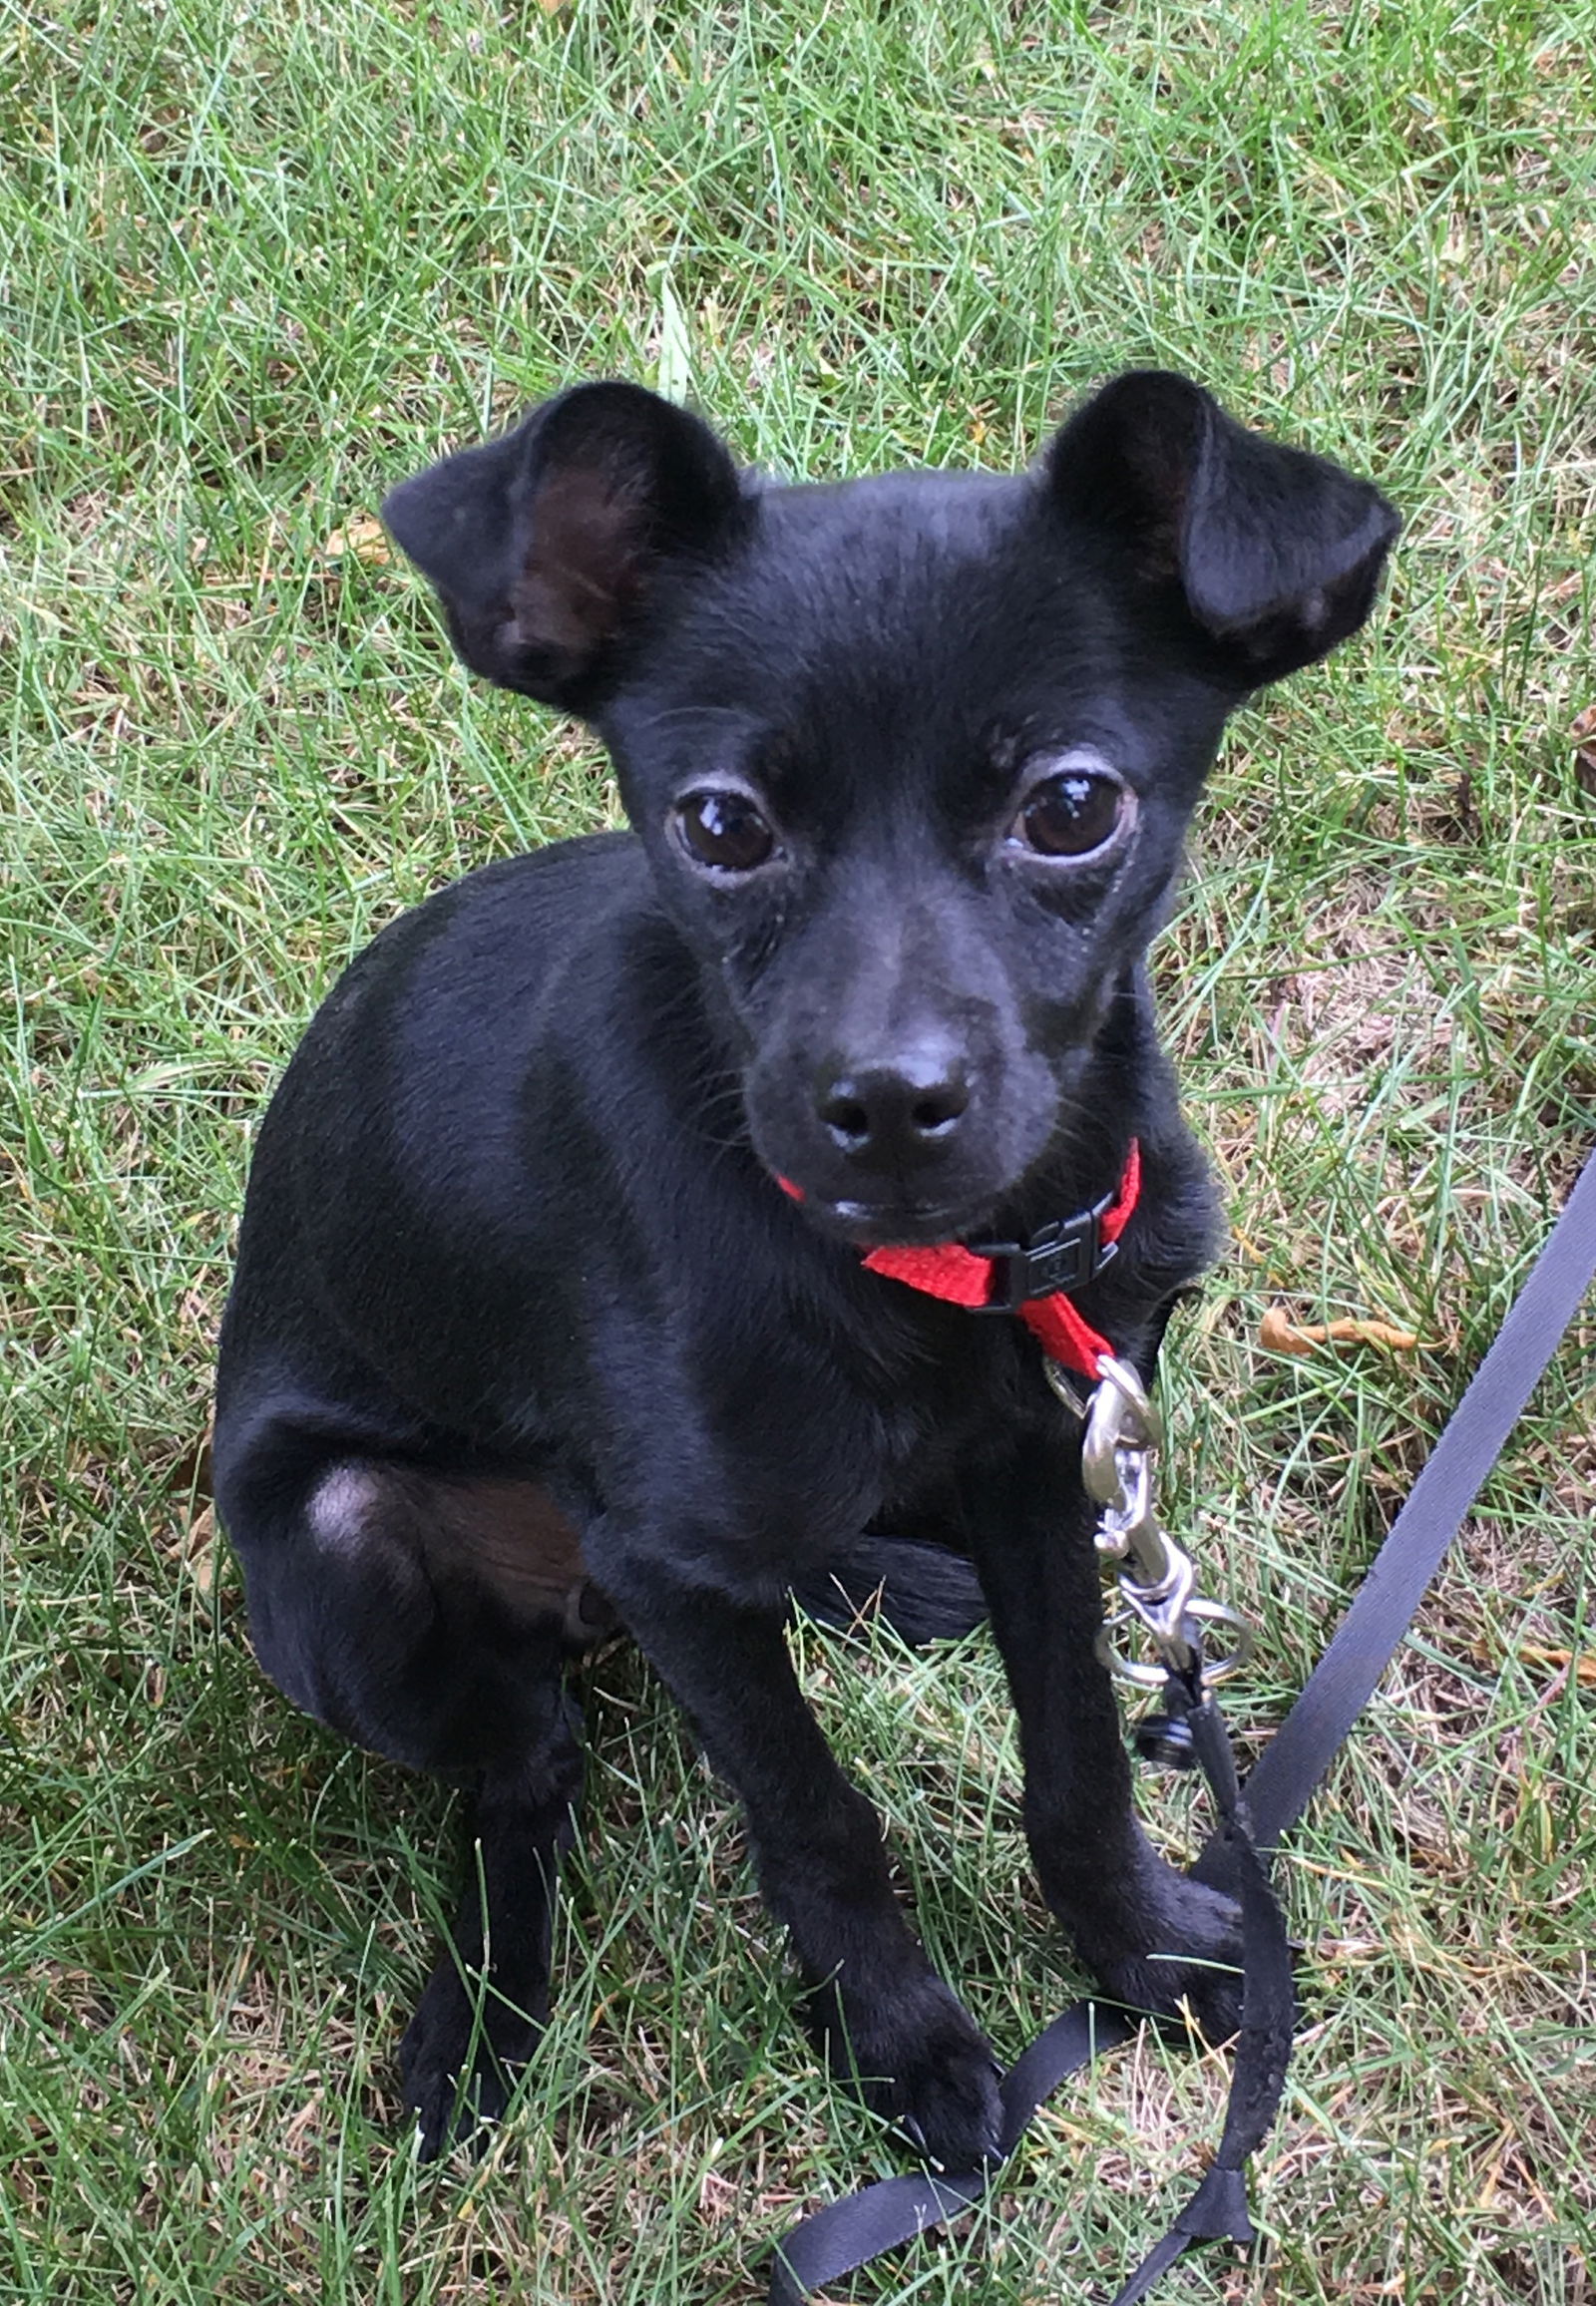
(1148, 1676)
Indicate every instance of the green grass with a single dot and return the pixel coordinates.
(256, 264)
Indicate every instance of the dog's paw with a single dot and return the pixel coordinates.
(460, 2059)
(1192, 1961)
(947, 2103)
(918, 2056)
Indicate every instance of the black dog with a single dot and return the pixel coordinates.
(527, 1335)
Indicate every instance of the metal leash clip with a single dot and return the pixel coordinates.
(1158, 1581)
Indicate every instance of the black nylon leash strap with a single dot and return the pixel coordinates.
(847, 2234)
(1343, 1682)
(1268, 2010)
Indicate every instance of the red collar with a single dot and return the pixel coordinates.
(1027, 1278)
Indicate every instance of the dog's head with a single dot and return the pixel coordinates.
(912, 756)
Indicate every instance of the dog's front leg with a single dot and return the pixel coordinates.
(1153, 1936)
(884, 2014)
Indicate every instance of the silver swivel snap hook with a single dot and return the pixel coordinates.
(1157, 1580)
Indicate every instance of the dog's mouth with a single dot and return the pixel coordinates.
(899, 1223)
(895, 1224)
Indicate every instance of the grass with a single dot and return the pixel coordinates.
(255, 265)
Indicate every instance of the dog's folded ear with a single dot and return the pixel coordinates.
(545, 545)
(1278, 553)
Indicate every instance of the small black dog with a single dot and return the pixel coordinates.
(552, 1307)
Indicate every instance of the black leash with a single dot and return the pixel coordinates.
(847, 2234)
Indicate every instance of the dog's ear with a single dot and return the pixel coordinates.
(544, 546)
(1276, 552)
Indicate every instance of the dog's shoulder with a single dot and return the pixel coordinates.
(491, 937)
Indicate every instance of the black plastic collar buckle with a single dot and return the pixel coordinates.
(1062, 1255)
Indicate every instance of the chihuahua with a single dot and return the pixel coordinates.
(581, 1281)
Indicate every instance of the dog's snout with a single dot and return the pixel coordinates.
(895, 1110)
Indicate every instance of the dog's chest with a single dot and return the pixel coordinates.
(936, 1410)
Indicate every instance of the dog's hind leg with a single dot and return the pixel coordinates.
(485, 2005)
(429, 1616)
(921, 1589)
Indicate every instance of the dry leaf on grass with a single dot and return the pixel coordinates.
(1583, 731)
(1278, 1334)
(364, 540)
(190, 1475)
(199, 1551)
(1580, 1663)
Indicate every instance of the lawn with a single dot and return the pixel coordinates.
(257, 264)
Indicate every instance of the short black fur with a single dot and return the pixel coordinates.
(527, 1340)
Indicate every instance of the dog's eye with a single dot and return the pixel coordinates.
(1071, 813)
(724, 830)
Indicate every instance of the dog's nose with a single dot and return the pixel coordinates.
(895, 1111)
